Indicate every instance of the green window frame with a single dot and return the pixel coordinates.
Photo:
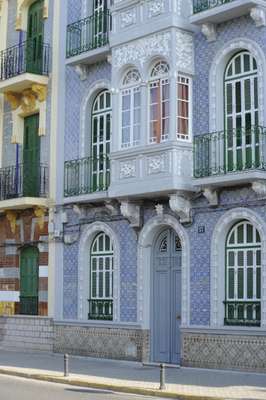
(243, 276)
(101, 278)
(241, 112)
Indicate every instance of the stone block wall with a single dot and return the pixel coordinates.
(102, 342)
(224, 351)
(26, 333)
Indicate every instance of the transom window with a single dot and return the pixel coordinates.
(131, 109)
(243, 276)
(101, 278)
(101, 138)
(159, 88)
(242, 112)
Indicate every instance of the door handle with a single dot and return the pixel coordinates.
(178, 317)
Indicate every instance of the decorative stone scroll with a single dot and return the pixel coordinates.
(25, 103)
(131, 211)
(181, 206)
(22, 13)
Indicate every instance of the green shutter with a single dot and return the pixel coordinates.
(31, 156)
(35, 38)
(29, 277)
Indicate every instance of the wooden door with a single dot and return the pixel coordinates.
(31, 157)
(166, 299)
(35, 38)
(29, 277)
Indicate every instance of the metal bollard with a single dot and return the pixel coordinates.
(66, 365)
(162, 377)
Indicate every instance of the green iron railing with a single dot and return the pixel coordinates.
(100, 309)
(231, 151)
(243, 313)
(87, 175)
(203, 5)
(24, 57)
(88, 34)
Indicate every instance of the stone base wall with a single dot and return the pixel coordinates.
(224, 351)
(103, 342)
(26, 333)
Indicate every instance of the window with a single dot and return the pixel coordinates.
(131, 109)
(241, 112)
(159, 103)
(243, 276)
(101, 138)
(183, 107)
(101, 278)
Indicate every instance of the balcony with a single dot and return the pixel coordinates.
(100, 309)
(23, 65)
(217, 11)
(88, 39)
(23, 186)
(87, 176)
(245, 313)
(230, 157)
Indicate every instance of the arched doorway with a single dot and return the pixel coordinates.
(166, 297)
(29, 278)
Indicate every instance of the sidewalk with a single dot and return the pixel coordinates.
(183, 383)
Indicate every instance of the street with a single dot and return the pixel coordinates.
(12, 388)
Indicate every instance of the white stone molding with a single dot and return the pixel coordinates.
(259, 187)
(217, 267)
(216, 84)
(145, 252)
(127, 169)
(85, 243)
(258, 14)
(181, 206)
(209, 31)
(128, 17)
(212, 196)
(156, 7)
(85, 114)
(82, 71)
(142, 50)
(184, 52)
(131, 212)
(22, 13)
(159, 210)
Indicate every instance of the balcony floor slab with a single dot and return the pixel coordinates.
(23, 203)
(89, 57)
(21, 82)
(230, 179)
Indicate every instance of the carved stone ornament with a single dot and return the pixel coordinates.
(159, 209)
(82, 71)
(212, 196)
(184, 52)
(209, 31)
(127, 169)
(22, 13)
(258, 14)
(71, 238)
(40, 213)
(142, 49)
(12, 219)
(156, 7)
(157, 164)
(259, 187)
(112, 207)
(128, 17)
(131, 212)
(181, 206)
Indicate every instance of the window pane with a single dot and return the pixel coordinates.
(258, 283)
(240, 281)
(231, 285)
(250, 283)
(249, 233)
(231, 259)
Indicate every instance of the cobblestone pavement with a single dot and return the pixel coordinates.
(183, 381)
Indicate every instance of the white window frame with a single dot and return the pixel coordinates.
(188, 82)
(159, 79)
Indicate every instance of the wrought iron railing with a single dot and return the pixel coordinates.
(87, 175)
(242, 313)
(25, 57)
(100, 309)
(231, 151)
(23, 181)
(88, 33)
(28, 305)
(203, 5)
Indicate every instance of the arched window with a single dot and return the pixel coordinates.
(100, 141)
(243, 276)
(131, 107)
(159, 103)
(241, 112)
(101, 278)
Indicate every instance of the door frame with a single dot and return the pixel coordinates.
(25, 247)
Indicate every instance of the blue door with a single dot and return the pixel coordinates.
(166, 298)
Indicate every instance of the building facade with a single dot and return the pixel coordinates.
(155, 224)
